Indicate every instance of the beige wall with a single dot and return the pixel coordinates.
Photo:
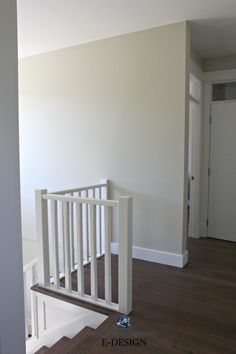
(12, 330)
(113, 108)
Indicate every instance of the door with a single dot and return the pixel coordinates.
(222, 180)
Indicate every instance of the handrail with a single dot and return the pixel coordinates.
(29, 265)
(80, 189)
(92, 201)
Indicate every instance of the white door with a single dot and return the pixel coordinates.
(222, 180)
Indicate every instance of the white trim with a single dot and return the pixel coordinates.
(162, 257)
(194, 156)
(194, 99)
(195, 70)
(209, 78)
(219, 76)
(31, 264)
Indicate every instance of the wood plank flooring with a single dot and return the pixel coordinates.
(177, 311)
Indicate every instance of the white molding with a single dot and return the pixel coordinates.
(195, 70)
(162, 257)
(209, 78)
(219, 76)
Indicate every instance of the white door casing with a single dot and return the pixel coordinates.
(194, 167)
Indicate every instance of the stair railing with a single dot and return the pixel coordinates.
(30, 278)
(83, 219)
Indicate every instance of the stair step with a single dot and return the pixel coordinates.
(76, 341)
(60, 346)
(82, 335)
(43, 350)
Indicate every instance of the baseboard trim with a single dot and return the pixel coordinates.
(147, 254)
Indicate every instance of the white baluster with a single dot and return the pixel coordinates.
(66, 237)
(42, 234)
(55, 250)
(72, 235)
(108, 285)
(87, 230)
(104, 195)
(80, 268)
(100, 223)
(92, 234)
(125, 255)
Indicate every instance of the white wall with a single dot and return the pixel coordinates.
(114, 108)
(11, 295)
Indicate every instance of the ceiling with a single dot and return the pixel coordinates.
(46, 25)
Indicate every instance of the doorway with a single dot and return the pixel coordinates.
(222, 163)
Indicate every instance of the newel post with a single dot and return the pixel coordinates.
(41, 208)
(125, 255)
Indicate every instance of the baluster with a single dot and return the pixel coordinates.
(54, 230)
(80, 268)
(125, 255)
(100, 223)
(62, 240)
(72, 240)
(66, 237)
(42, 234)
(87, 230)
(92, 234)
(96, 222)
(108, 293)
(26, 307)
(104, 195)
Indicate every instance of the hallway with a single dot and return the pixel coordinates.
(178, 311)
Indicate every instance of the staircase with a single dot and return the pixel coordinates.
(80, 281)
(65, 345)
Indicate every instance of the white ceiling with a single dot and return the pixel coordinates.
(45, 25)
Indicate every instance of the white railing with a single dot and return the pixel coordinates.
(30, 277)
(78, 222)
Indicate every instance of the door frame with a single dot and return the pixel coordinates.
(209, 78)
(194, 185)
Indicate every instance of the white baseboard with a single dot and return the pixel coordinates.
(147, 254)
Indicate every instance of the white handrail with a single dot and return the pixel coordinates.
(81, 189)
(29, 265)
(92, 201)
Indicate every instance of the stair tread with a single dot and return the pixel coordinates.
(78, 339)
(94, 345)
(43, 350)
(82, 335)
(60, 345)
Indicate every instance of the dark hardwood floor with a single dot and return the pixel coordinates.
(176, 311)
